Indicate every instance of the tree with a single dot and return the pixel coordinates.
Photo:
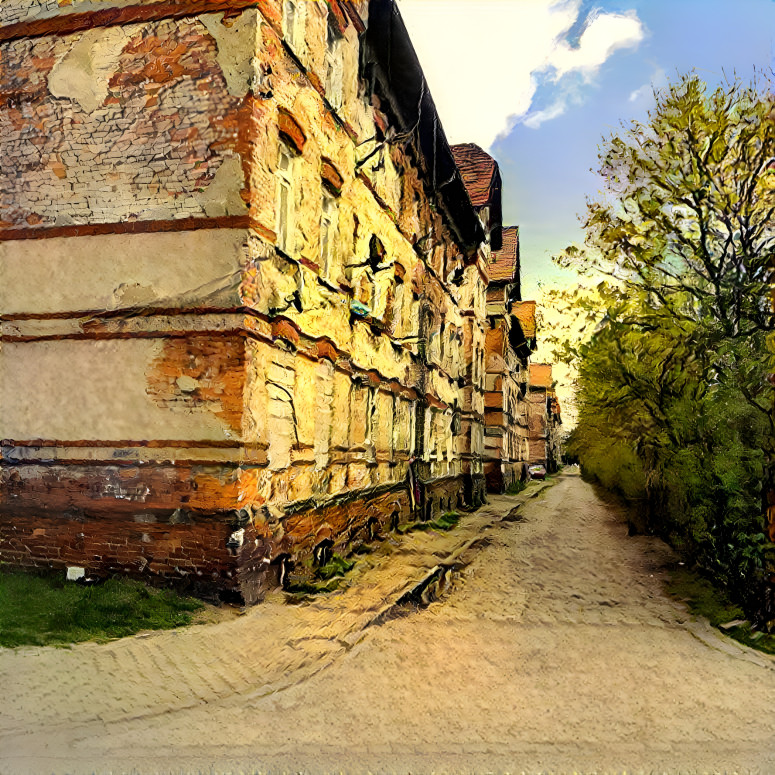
(690, 204)
(689, 214)
(678, 368)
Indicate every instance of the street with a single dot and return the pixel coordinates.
(552, 647)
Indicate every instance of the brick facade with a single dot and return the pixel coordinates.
(260, 306)
(544, 418)
(510, 342)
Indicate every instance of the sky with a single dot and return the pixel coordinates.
(539, 83)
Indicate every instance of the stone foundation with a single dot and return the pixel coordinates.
(234, 310)
(234, 555)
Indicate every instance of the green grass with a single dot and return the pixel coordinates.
(516, 487)
(301, 589)
(49, 611)
(445, 522)
(714, 605)
(336, 566)
(326, 578)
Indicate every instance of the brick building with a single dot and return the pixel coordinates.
(510, 342)
(544, 418)
(482, 179)
(243, 297)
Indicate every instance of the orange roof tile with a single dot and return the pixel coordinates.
(541, 375)
(505, 262)
(525, 312)
(478, 170)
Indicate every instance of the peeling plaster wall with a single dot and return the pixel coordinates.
(13, 11)
(233, 376)
(124, 359)
(506, 410)
(44, 397)
(140, 122)
(119, 271)
(383, 335)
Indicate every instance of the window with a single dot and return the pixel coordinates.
(412, 427)
(376, 299)
(372, 424)
(289, 20)
(285, 200)
(293, 23)
(329, 234)
(334, 65)
(398, 309)
(428, 440)
(396, 425)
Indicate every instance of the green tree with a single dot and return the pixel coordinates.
(677, 370)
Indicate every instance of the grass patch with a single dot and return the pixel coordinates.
(715, 605)
(326, 578)
(49, 611)
(336, 566)
(445, 522)
(303, 588)
(516, 487)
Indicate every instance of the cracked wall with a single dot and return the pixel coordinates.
(203, 359)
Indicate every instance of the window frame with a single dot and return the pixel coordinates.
(333, 81)
(329, 233)
(285, 220)
(291, 26)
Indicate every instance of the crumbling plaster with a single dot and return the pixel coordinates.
(263, 382)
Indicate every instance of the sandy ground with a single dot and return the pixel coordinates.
(554, 650)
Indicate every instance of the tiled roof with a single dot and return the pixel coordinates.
(505, 262)
(525, 312)
(541, 375)
(478, 170)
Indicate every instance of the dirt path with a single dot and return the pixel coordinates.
(555, 650)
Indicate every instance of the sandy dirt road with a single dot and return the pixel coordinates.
(554, 650)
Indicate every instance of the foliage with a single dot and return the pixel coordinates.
(326, 578)
(516, 487)
(705, 600)
(336, 566)
(690, 204)
(47, 610)
(674, 401)
(446, 521)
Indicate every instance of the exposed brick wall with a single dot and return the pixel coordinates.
(346, 522)
(119, 123)
(192, 554)
(197, 372)
(12, 11)
(338, 371)
(102, 490)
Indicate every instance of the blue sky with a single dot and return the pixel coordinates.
(538, 83)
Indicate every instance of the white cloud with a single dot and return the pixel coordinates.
(534, 119)
(604, 34)
(638, 94)
(481, 57)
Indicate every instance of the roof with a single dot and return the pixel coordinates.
(482, 179)
(505, 262)
(399, 81)
(540, 375)
(478, 169)
(525, 312)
